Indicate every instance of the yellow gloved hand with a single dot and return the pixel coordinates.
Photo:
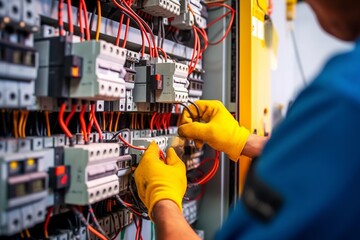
(156, 180)
(219, 129)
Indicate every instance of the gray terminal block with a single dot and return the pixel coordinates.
(163, 8)
(23, 188)
(24, 177)
(103, 71)
(20, 14)
(175, 83)
(94, 170)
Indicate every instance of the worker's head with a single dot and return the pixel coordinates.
(338, 17)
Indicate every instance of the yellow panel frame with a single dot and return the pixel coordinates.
(254, 74)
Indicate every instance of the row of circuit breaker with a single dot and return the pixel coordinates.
(37, 173)
(38, 69)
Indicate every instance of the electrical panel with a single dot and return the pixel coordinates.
(84, 89)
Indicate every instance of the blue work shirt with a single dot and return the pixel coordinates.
(312, 161)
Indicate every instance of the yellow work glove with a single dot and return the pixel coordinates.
(217, 128)
(156, 180)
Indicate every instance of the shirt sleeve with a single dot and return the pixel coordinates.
(313, 161)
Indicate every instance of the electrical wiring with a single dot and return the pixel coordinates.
(97, 126)
(97, 225)
(212, 171)
(47, 220)
(90, 228)
(104, 120)
(130, 145)
(111, 121)
(137, 20)
(61, 121)
(142, 120)
(131, 207)
(163, 52)
(60, 17)
(228, 29)
(187, 108)
(80, 21)
(87, 29)
(27, 233)
(142, 24)
(126, 32)
(70, 17)
(91, 120)
(119, 30)
(71, 114)
(117, 121)
(47, 120)
(197, 110)
(24, 124)
(98, 5)
(19, 126)
(82, 123)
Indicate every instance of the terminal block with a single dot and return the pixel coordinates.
(95, 171)
(23, 189)
(161, 82)
(114, 222)
(20, 15)
(161, 141)
(127, 103)
(103, 71)
(187, 19)
(174, 82)
(160, 8)
(18, 58)
(57, 66)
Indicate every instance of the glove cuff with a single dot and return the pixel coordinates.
(240, 139)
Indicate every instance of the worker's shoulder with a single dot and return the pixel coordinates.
(341, 75)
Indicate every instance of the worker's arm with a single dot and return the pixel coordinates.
(254, 145)
(170, 222)
(220, 130)
(161, 186)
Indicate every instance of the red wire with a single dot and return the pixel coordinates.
(137, 19)
(91, 123)
(70, 17)
(60, 17)
(232, 11)
(130, 145)
(80, 22)
(47, 219)
(212, 171)
(119, 30)
(71, 114)
(163, 52)
(141, 23)
(61, 121)
(87, 29)
(126, 32)
(152, 121)
(82, 122)
(97, 126)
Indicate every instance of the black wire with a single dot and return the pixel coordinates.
(297, 56)
(187, 108)
(122, 130)
(92, 214)
(197, 110)
(92, 17)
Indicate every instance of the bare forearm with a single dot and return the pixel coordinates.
(170, 223)
(254, 145)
